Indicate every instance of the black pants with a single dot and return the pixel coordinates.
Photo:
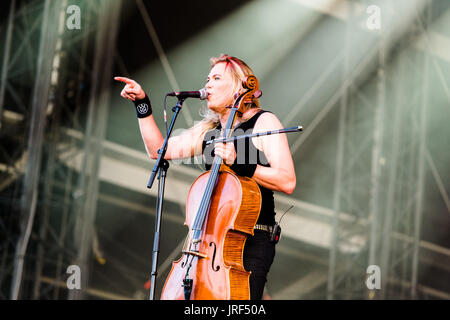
(258, 257)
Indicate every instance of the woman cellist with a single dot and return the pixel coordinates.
(271, 168)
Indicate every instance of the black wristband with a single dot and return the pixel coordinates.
(143, 107)
(244, 170)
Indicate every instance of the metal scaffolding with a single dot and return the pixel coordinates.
(86, 202)
(47, 238)
(386, 222)
(54, 98)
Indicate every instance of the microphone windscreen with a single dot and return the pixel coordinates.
(203, 94)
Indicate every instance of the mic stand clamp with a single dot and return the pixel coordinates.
(160, 166)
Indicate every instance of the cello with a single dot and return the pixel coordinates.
(222, 209)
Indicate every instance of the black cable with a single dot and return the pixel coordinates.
(285, 213)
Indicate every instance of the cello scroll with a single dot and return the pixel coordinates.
(251, 83)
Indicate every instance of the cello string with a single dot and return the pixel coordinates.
(208, 190)
(203, 210)
(204, 204)
(207, 196)
(201, 214)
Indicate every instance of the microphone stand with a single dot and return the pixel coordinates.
(160, 166)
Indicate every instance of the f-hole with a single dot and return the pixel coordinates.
(216, 268)
(183, 264)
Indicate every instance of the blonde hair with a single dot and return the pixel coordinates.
(239, 70)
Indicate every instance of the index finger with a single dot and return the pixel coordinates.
(123, 79)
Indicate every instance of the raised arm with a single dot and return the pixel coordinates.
(178, 147)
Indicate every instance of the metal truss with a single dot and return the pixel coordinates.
(68, 72)
(379, 226)
(378, 147)
(19, 63)
(352, 177)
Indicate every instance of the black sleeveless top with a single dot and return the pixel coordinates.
(246, 153)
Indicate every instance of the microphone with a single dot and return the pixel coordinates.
(200, 94)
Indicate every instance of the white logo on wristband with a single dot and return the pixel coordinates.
(142, 108)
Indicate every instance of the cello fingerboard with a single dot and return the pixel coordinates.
(202, 212)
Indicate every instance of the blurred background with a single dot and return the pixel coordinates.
(368, 81)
